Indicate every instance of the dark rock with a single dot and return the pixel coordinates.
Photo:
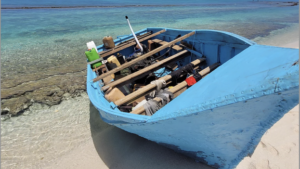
(5, 111)
(15, 105)
(47, 91)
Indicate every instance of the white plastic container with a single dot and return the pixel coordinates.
(91, 45)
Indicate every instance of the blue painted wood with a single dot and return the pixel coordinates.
(221, 118)
(226, 53)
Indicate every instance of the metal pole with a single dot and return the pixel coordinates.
(137, 41)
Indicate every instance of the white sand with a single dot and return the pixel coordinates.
(279, 146)
(110, 147)
(287, 37)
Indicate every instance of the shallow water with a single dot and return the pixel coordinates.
(34, 40)
(42, 135)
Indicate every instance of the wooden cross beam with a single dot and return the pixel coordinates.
(125, 65)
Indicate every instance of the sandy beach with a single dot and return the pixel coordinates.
(110, 147)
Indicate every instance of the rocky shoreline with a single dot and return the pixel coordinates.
(18, 93)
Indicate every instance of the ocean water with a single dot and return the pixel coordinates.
(53, 37)
(36, 39)
(70, 3)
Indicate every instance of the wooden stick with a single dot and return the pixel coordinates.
(131, 44)
(125, 42)
(145, 89)
(143, 71)
(115, 50)
(178, 87)
(125, 65)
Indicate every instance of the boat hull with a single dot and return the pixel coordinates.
(220, 119)
(220, 137)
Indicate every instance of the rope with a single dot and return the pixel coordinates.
(165, 96)
(152, 106)
(159, 84)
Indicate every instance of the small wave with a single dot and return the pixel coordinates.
(61, 7)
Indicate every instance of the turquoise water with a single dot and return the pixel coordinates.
(52, 37)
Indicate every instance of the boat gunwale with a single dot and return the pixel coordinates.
(134, 118)
(140, 32)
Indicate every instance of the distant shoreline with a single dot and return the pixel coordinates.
(281, 4)
(61, 7)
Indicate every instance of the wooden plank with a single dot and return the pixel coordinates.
(107, 80)
(125, 65)
(156, 40)
(178, 87)
(163, 42)
(146, 89)
(125, 42)
(175, 47)
(131, 44)
(179, 92)
(143, 71)
(124, 47)
(97, 68)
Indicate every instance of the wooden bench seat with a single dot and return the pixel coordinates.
(175, 47)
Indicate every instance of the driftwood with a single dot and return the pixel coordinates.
(149, 87)
(145, 70)
(178, 87)
(125, 65)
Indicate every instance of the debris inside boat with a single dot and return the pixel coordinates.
(143, 74)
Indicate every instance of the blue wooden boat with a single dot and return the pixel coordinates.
(221, 119)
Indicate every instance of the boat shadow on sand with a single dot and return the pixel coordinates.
(120, 149)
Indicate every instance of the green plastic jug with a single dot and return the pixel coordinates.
(93, 55)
